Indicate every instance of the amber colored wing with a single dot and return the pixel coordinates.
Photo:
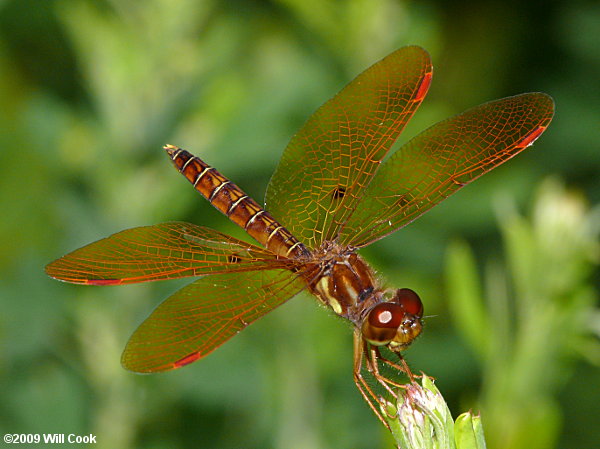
(442, 160)
(163, 251)
(331, 160)
(202, 316)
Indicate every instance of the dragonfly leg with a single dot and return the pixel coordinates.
(374, 357)
(402, 367)
(363, 387)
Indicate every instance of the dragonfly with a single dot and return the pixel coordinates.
(333, 193)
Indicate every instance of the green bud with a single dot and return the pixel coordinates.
(423, 419)
(468, 432)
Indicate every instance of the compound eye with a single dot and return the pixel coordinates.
(409, 301)
(382, 322)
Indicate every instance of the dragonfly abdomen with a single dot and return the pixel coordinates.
(228, 198)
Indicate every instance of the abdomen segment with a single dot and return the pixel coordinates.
(236, 205)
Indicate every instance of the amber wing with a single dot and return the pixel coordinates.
(328, 164)
(442, 160)
(163, 251)
(202, 316)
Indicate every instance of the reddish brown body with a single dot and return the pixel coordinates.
(236, 205)
(336, 275)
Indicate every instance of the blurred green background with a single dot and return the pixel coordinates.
(507, 269)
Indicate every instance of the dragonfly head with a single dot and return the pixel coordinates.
(395, 323)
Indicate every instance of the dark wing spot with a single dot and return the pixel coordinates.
(338, 192)
(402, 201)
(234, 258)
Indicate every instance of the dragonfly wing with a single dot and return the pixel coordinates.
(330, 161)
(442, 160)
(202, 316)
(163, 251)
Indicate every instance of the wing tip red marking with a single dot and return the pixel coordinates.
(424, 86)
(190, 358)
(531, 137)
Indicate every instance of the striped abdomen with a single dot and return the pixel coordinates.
(235, 204)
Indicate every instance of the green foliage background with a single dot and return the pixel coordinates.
(91, 90)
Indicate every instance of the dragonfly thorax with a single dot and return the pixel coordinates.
(346, 284)
(349, 287)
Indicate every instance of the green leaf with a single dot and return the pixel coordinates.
(465, 292)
